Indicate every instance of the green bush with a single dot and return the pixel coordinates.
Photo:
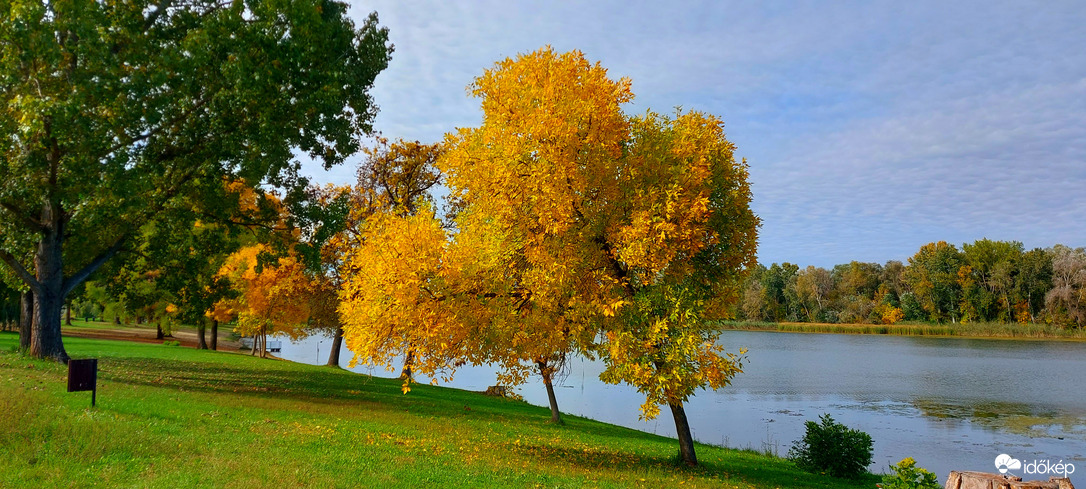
(832, 448)
(906, 475)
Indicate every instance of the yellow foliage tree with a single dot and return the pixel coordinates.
(580, 229)
(386, 303)
(273, 297)
(393, 182)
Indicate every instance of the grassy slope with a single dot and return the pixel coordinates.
(962, 330)
(178, 417)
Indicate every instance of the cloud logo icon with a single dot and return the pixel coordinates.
(1004, 463)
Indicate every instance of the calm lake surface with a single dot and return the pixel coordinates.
(952, 404)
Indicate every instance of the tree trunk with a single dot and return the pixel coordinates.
(263, 342)
(1010, 310)
(158, 331)
(214, 334)
(26, 319)
(116, 320)
(45, 339)
(68, 313)
(201, 328)
(337, 344)
(408, 363)
(682, 428)
(547, 372)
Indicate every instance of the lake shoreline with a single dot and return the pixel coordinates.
(951, 405)
(993, 331)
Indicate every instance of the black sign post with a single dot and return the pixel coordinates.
(83, 376)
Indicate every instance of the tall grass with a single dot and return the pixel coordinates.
(967, 330)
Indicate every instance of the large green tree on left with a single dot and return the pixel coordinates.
(112, 113)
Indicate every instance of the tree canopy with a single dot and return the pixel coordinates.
(113, 112)
(577, 228)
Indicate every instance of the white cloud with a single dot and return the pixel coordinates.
(871, 128)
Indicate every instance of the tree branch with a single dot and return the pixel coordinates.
(23, 217)
(21, 271)
(78, 277)
(620, 272)
(161, 127)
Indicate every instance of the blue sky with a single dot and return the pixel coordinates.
(870, 128)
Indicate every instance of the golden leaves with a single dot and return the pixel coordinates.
(574, 220)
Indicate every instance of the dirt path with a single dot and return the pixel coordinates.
(147, 335)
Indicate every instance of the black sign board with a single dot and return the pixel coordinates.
(83, 376)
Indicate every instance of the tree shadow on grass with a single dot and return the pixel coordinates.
(729, 464)
(309, 384)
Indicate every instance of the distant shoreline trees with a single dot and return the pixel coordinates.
(983, 281)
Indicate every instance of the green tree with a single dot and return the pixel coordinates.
(993, 267)
(932, 275)
(856, 285)
(779, 290)
(1034, 280)
(113, 112)
(813, 286)
(186, 255)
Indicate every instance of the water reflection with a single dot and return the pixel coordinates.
(951, 404)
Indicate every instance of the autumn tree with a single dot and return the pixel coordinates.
(639, 227)
(274, 294)
(394, 179)
(753, 305)
(387, 306)
(1066, 302)
(115, 111)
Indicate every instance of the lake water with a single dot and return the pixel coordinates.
(952, 404)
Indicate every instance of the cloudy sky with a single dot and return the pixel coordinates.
(870, 128)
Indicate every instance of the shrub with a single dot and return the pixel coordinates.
(906, 475)
(832, 448)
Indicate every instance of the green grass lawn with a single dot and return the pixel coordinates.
(178, 417)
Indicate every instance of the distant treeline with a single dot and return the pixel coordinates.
(983, 281)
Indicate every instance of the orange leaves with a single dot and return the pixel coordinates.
(274, 297)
